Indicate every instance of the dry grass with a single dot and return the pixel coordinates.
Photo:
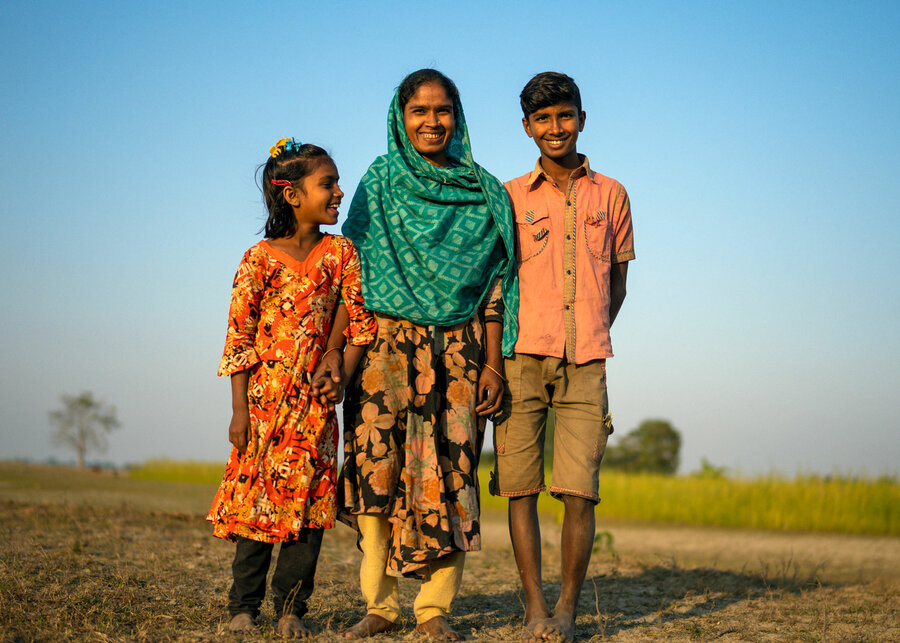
(127, 571)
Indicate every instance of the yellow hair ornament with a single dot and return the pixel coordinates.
(284, 144)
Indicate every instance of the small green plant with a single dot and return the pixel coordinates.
(603, 541)
(709, 470)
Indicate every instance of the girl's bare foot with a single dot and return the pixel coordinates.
(370, 625)
(242, 622)
(559, 627)
(438, 629)
(291, 627)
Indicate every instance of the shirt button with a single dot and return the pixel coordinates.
(568, 306)
(568, 272)
(568, 237)
(568, 203)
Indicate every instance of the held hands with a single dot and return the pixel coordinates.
(490, 391)
(328, 380)
(239, 429)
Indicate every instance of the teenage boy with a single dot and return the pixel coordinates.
(574, 242)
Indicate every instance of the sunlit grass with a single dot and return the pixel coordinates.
(165, 470)
(804, 503)
(843, 504)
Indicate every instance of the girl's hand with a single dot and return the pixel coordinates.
(327, 390)
(328, 380)
(239, 430)
(490, 392)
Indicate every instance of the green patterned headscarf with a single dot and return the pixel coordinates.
(432, 240)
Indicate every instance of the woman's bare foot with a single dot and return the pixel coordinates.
(242, 622)
(370, 625)
(438, 629)
(291, 627)
(559, 627)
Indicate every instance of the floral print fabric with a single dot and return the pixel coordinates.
(278, 324)
(412, 438)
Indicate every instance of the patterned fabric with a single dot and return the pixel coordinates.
(412, 438)
(431, 240)
(278, 325)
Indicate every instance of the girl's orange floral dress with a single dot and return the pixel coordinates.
(278, 324)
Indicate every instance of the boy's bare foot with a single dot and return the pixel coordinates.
(438, 629)
(242, 622)
(534, 619)
(291, 627)
(370, 625)
(533, 615)
(559, 627)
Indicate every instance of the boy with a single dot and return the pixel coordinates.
(574, 240)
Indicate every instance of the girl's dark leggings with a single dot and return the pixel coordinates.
(292, 582)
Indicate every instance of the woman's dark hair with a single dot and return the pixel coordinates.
(546, 89)
(411, 84)
(291, 165)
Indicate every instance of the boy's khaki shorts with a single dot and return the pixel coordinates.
(577, 394)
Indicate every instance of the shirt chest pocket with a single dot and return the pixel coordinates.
(596, 235)
(533, 233)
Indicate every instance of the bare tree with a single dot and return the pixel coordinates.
(83, 424)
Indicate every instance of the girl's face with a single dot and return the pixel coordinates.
(319, 197)
(429, 122)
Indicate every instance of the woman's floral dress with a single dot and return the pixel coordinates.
(278, 325)
(412, 438)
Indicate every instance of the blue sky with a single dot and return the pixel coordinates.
(759, 145)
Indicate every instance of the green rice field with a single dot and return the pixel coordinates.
(805, 503)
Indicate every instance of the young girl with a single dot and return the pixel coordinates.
(279, 484)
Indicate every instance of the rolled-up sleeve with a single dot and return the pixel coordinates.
(493, 306)
(362, 327)
(623, 235)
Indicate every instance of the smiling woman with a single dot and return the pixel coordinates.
(434, 233)
(430, 123)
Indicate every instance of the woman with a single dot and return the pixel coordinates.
(434, 234)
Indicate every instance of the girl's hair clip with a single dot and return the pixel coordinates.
(281, 182)
(285, 144)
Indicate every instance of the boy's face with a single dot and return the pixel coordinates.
(555, 131)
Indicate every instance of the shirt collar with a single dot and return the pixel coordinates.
(538, 175)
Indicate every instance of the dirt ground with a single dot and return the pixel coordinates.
(105, 559)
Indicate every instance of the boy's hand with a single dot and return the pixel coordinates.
(490, 392)
(239, 430)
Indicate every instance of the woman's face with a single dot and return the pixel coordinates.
(429, 122)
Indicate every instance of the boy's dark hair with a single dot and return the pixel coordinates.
(546, 89)
(411, 84)
(291, 165)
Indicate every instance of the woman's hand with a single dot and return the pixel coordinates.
(239, 430)
(328, 380)
(490, 392)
